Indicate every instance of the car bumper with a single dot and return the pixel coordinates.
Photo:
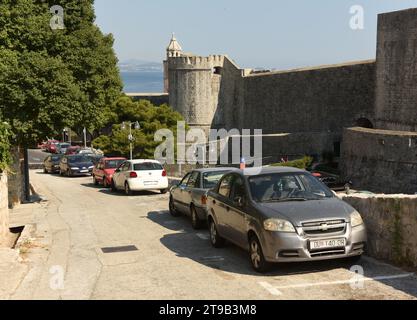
(80, 172)
(293, 247)
(139, 185)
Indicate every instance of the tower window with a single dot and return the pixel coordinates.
(217, 70)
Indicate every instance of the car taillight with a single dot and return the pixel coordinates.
(203, 199)
(316, 174)
(133, 174)
(164, 173)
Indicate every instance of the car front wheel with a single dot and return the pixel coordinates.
(256, 255)
(127, 189)
(216, 240)
(172, 210)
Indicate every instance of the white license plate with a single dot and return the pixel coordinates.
(83, 171)
(150, 183)
(329, 243)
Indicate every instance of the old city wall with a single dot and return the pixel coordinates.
(380, 160)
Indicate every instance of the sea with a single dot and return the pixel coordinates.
(143, 81)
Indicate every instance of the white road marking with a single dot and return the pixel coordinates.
(270, 288)
(348, 281)
(202, 236)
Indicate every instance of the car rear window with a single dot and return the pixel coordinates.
(147, 166)
(210, 179)
(113, 164)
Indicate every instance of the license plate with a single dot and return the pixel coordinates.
(329, 243)
(150, 183)
(83, 171)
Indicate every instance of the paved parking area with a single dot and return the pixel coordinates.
(171, 260)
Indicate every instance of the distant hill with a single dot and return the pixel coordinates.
(137, 65)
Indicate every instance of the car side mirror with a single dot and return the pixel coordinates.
(239, 201)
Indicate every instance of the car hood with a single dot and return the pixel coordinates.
(304, 211)
(81, 164)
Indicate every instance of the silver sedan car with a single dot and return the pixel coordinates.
(190, 195)
(283, 215)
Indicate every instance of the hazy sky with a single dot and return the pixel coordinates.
(258, 33)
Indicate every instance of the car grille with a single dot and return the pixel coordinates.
(324, 227)
(327, 252)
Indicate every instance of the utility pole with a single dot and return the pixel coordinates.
(85, 138)
(131, 138)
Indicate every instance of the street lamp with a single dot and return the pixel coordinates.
(131, 137)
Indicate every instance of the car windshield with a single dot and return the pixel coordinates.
(210, 179)
(277, 187)
(113, 164)
(145, 166)
(79, 159)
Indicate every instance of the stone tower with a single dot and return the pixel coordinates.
(396, 88)
(193, 84)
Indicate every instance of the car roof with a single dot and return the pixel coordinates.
(271, 170)
(143, 160)
(216, 169)
(113, 158)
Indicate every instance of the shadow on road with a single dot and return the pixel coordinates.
(187, 244)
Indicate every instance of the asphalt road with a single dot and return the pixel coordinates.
(172, 261)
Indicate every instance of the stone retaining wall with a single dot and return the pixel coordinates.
(391, 222)
(4, 207)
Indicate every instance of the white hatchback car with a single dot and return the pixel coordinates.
(139, 175)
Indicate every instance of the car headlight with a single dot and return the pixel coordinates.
(92, 167)
(75, 168)
(278, 225)
(355, 219)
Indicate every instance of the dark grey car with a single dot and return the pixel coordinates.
(283, 215)
(189, 196)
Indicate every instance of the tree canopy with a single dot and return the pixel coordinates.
(52, 79)
(150, 117)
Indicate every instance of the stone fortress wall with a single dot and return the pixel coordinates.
(308, 111)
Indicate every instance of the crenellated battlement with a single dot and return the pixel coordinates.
(196, 62)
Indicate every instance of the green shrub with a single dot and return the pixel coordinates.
(303, 163)
(5, 156)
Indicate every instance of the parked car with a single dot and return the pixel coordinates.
(52, 146)
(75, 165)
(283, 214)
(95, 157)
(51, 163)
(138, 175)
(103, 171)
(190, 195)
(72, 150)
(63, 146)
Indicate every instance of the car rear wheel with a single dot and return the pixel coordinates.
(127, 189)
(95, 181)
(195, 220)
(256, 255)
(105, 185)
(172, 210)
(216, 240)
